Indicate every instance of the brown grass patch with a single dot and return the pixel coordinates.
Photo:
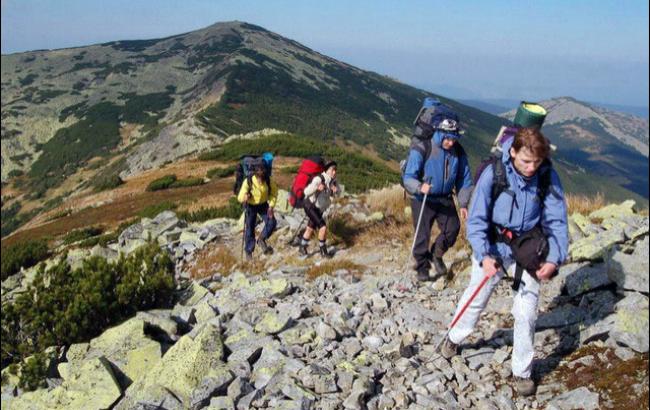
(613, 379)
(212, 259)
(583, 204)
(390, 201)
(327, 268)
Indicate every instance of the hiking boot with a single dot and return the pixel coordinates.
(525, 387)
(422, 275)
(302, 250)
(249, 257)
(265, 247)
(325, 253)
(439, 266)
(448, 349)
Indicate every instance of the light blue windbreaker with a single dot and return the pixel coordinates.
(444, 170)
(517, 209)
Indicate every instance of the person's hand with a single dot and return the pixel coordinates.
(425, 188)
(490, 266)
(269, 212)
(335, 188)
(545, 272)
(321, 187)
(247, 197)
(463, 214)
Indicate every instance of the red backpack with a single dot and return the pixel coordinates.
(309, 168)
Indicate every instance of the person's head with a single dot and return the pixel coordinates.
(259, 171)
(330, 169)
(448, 143)
(529, 150)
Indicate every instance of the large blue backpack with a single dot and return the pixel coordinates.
(433, 116)
(247, 166)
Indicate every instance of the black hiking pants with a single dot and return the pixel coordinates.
(443, 211)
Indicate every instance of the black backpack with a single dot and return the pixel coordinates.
(500, 182)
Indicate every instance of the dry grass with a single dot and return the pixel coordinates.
(584, 205)
(390, 201)
(327, 268)
(212, 259)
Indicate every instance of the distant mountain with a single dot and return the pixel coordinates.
(489, 107)
(74, 118)
(627, 109)
(605, 142)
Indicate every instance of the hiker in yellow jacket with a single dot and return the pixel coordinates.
(258, 194)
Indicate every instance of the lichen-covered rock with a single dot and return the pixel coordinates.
(127, 347)
(90, 385)
(182, 368)
(630, 271)
(595, 246)
(631, 322)
(614, 210)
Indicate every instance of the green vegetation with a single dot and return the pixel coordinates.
(108, 182)
(82, 234)
(170, 181)
(152, 210)
(64, 306)
(28, 79)
(23, 254)
(233, 210)
(222, 172)
(357, 172)
(164, 182)
(12, 219)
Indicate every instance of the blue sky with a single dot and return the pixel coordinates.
(592, 50)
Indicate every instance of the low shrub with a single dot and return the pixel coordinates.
(161, 183)
(222, 172)
(23, 254)
(232, 210)
(152, 210)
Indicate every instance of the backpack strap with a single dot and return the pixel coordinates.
(544, 186)
(500, 182)
(424, 147)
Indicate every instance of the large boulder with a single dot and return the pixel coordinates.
(631, 322)
(90, 385)
(127, 347)
(182, 369)
(614, 210)
(630, 272)
(595, 246)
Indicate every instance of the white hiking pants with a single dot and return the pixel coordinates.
(524, 310)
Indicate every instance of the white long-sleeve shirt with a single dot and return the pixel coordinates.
(321, 198)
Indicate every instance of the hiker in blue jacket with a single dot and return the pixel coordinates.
(436, 167)
(528, 205)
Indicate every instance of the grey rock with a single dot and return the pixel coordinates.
(239, 388)
(209, 387)
(221, 403)
(500, 356)
(372, 343)
(630, 272)
(580, 398)
(631, 322)
(586, 279)
(561, 316)
(478, 358)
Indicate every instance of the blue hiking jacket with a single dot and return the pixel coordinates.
(517, 209)
(444, 170)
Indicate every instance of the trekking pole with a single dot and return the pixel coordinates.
(462, 310)
(296, 232)
(243, 238)
(417, 227)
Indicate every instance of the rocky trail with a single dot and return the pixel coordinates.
(356, 332)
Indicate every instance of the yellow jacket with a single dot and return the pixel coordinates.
(259, 192)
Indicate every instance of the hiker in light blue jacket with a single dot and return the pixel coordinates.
(437, 166)
(532, 203)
